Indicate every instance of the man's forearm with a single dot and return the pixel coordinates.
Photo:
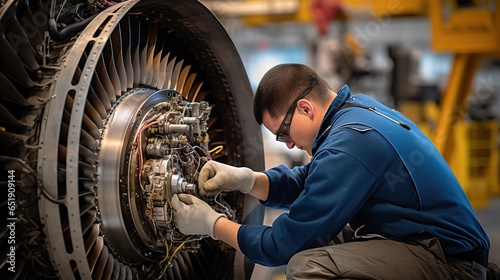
(260, 189)
(227, 231)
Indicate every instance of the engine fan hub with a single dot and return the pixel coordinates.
(152, 146)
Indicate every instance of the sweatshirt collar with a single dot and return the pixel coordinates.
(342, 95)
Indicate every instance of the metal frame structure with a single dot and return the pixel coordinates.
(472, 34)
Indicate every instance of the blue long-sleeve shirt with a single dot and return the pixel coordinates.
(366, 170)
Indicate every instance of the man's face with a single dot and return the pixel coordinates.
(301, 132)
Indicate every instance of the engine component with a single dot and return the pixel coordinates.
(154, 143)
(107, 109)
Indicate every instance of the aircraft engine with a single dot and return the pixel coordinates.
(107, 109)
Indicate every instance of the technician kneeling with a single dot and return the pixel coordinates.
(376, 200)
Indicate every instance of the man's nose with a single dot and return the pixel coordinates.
(290, 144)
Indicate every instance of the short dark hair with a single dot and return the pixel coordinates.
(281, 85)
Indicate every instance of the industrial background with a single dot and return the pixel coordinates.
(107, 108)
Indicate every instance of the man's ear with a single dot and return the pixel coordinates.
(306, 107)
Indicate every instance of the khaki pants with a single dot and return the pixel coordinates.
(378, 258)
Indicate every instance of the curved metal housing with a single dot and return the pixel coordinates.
(68, 107)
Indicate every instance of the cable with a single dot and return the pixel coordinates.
(144, 124)
(170, 260)
(61, 35)
(204, 151)
(216, 150)
(44, 191)
(177, 250)
(226, 210)
(50, 197)
(58, 14)
(166, 253)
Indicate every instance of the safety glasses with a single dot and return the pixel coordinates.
(283, 133)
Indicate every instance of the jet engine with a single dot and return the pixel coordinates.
(107, 109)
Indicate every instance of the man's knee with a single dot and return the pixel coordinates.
(295, 264)
(314, 263)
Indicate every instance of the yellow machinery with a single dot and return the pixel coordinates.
(475, 159)
(471, 31)
(300, 10)
(472, 34)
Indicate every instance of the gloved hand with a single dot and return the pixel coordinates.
(193, 215)
(218, 176)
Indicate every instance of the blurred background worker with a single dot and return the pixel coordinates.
(376, 199)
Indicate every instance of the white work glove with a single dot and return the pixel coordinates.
(218, 176)
(193, 215)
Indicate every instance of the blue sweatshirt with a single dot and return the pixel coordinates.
(371, 171)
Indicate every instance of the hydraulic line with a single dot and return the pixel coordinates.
(66, 32)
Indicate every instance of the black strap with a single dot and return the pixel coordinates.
(349, 105)
(373, 109)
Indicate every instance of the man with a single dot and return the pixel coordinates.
(376, 200)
